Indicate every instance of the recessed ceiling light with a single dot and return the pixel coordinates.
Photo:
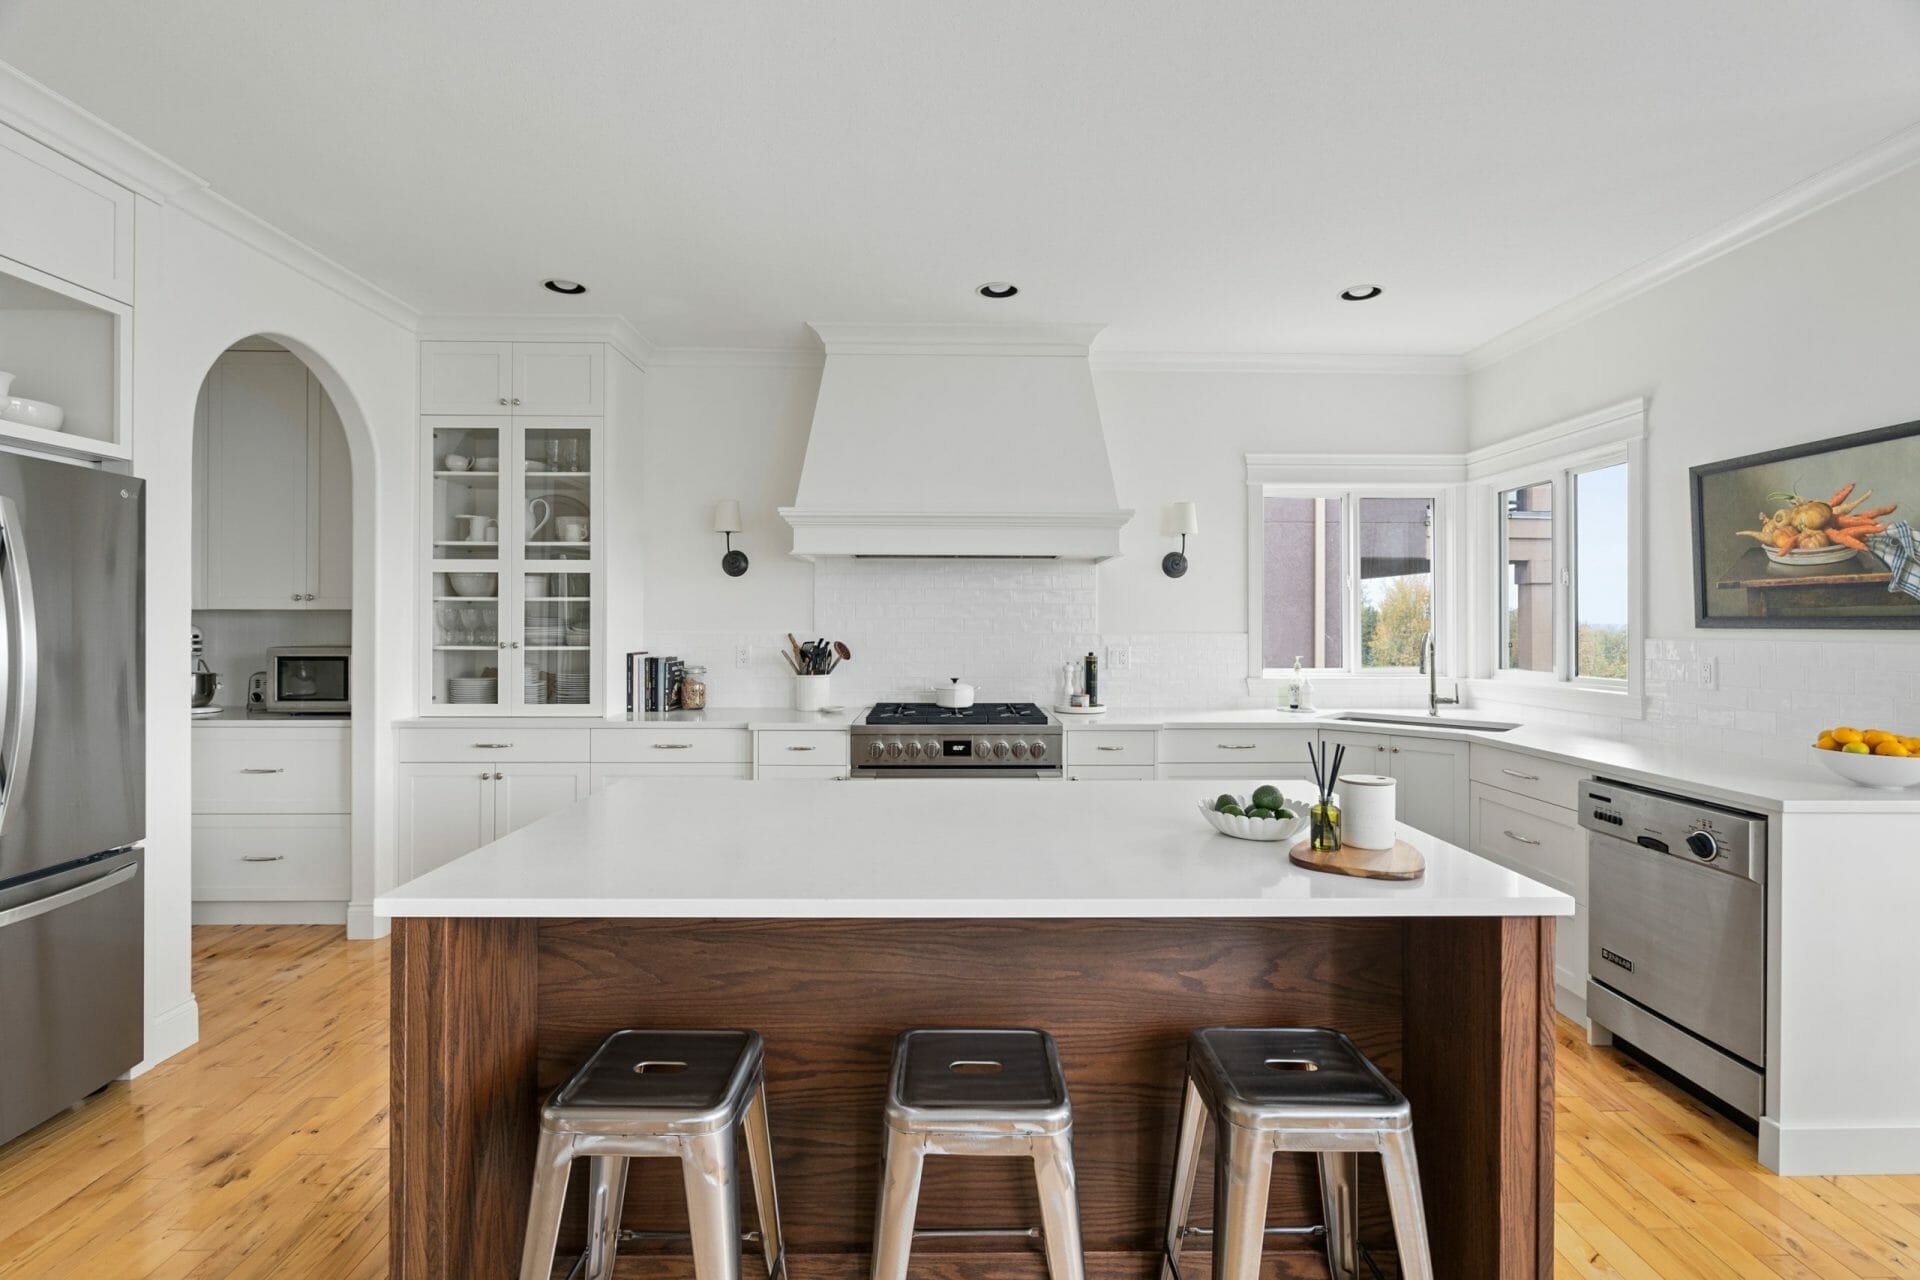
(1365, 293)
(569, 287)
(997, 289)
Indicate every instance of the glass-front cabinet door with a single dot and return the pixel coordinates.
(515, 575)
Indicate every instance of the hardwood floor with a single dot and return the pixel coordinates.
(263, 1152)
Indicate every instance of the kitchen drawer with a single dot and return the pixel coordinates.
(1241, 770)
(672, 744)
(1235, 746)
(1547, 780)
(802, 747)
(453, 745)
(272, 858)
(800, 772)
(1110, 746)
(1538, 840)
(277, 770)
(1110, 773)
(603, 775)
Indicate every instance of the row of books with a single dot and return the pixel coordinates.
(653, 682)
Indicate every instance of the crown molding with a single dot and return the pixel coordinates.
(216, 211)
(1852, 175)
(57, 122)
(957, 339)
(738, 357)
(614, 330)
(1275, 362)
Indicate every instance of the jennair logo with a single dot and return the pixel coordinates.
(1611, 958)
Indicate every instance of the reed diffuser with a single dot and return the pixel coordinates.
(1323, 820)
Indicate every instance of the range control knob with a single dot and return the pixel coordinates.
(1703, 845)
(931, 748)
(876, 749)
(913, 749)
(895, 750)
(1001, 750)
(1019, 751)
(1038, 750)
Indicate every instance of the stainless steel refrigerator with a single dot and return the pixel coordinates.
(72, 784)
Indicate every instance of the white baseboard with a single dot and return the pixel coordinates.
(1804, 1151)
(1571, 1004)
(270, 913)
(363, 925)
(169, 1033)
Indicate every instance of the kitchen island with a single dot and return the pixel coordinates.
(828, 918)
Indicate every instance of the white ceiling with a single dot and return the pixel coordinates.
(1198, 176)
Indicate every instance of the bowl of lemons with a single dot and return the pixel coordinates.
(1263, 815)
(1870, 757)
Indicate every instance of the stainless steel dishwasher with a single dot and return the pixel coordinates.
(1677, 935)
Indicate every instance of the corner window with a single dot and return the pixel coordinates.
(1347, 580)
(1564, 573)
(1600, 592)
(1526, 578)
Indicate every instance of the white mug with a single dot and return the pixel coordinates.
(457, 462)
(536, 586)
(491, 533)
(572, 528)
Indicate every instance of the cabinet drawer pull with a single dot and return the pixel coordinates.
(1515, 835)
(1109, 748)
(499, 777)
(799, 748)
(263, 771)
(1524, 777)
(675, 746)
(491, 746)
(1236, 746)
(263, 857)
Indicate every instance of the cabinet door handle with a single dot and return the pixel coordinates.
(263, 771)
(491, 746)
(678, 746)
(294, 596)
(1109, 748)
(1524, 777)
(499, 777)
(1515, 835)
(1236, 746)
(484, 775)
(503, 399)
(263, 857)
(799, 748)
(308, 596)
(516, 399)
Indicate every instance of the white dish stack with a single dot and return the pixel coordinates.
(473, 690)
(537, 689)
(573, 687)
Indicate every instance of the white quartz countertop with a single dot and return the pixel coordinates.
(241, 717)
(712, 718)
(933, 849)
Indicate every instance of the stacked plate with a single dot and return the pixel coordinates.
(580, 635)
(473, 690)
(573, 688)
(537, 690)
(542, 634)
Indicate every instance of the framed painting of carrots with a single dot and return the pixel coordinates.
(1815, 535)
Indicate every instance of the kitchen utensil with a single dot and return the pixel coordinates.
(472, 584)
(205, 684)
(954, 695)
(1241, 827)
(32, 413)
(535, 523)
(1400, 862)
(476, 529)
(458, 462)
(841, 653)
(1890, 772)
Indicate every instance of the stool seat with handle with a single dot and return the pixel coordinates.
(977, 1093)
(1291, 1089)
(684, 1095)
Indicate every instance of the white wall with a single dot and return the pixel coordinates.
(1807, 333)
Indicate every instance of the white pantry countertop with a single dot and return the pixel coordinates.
(242, 718)
(711, 718)
(908, 849)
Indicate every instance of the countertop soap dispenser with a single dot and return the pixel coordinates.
(1299, 689)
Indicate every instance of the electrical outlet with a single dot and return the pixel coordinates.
(1706, 672)
(1119, 657)
(743, 655)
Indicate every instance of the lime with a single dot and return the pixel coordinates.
(1285, 815)
(1857, 749)
(1259, 812)
(1224, 802)
(1233, 809)
(1268, 796)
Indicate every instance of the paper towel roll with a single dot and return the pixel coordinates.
(1366, 811)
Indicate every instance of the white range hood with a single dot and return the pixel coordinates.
(956, 440)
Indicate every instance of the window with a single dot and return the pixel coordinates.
(1526, 561)
(1346, 580)
(1564, 579)
(1600, 573)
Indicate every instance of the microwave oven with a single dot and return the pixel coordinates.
(312, 678)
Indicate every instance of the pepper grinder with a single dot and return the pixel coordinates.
(1093, 680)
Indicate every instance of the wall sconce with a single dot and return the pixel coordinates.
(1181, 520)
(726, 519)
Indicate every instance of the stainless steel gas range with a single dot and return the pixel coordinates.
(985, 740)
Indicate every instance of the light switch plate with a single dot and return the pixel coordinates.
(1119, 657)
(1706, 673)
(742, 655)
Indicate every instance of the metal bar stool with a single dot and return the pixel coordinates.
(1291, 1090)
(977, 1093)
(684, 1095)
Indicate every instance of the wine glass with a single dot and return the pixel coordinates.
(449, 624)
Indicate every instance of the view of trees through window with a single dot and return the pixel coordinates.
(1600, 573)
(1396, 580)
(1307, 611)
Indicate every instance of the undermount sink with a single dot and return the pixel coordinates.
(1432, 722)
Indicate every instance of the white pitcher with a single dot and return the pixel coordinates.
(536, 523)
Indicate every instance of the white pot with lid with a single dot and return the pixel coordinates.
(954, 695)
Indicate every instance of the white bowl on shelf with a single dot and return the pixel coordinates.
(1893, 773)
(472, 584)
(1241, 827)
(32, 413)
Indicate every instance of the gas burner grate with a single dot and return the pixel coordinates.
(981, 713)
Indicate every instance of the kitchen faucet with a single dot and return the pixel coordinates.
(1430, 668)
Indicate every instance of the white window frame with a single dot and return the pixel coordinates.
(1436, 478)
(1556, 455)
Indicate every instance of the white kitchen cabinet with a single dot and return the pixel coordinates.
(450, 809)
(1430, 777)
(1546, 843)
(272, 822)
(1231, 752)
(272, 857)
(1110, 748)
(62, 218)
(276, 487)
(500, 379)
(672, 745)
(801, 753)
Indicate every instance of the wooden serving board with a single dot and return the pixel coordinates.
(1402, 862)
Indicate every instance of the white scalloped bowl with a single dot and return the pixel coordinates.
(1244, 828)
(1891, 772)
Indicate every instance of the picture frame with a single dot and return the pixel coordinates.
(1744, 577)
